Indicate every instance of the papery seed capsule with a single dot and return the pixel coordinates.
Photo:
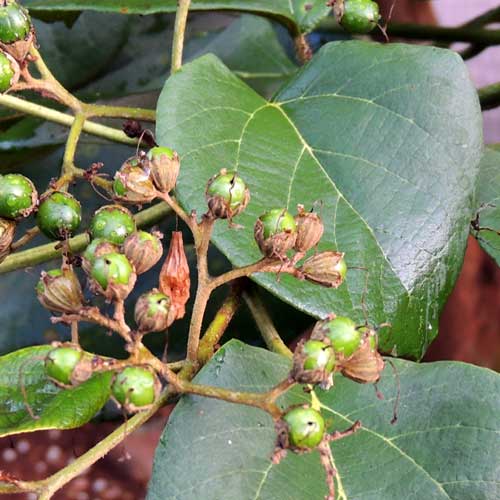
(325, 268)
(96, 248)
(275, 232)
(112, 276)
(59, 214)
(61, 363)
(59, 290)
(164, 166)
(152, 312)
(133, 184)
(309, 229)
(174, 277)
(136, 387)
(7, 230)
(365, 366)
(112, 223)
(227, 195)
(18, 196)
(143, 250)
(306, 427)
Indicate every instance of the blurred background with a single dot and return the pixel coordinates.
(470, 324)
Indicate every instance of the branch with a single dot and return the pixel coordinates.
(428, 32)
(52, 115)
(265, 323)
(219, 324)
(179, 30)
(44, 253)
(148, 115)
(489, 96)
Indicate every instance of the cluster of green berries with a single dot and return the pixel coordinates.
(134, 387)
(16, 37)
(336, 344)
(357, 16)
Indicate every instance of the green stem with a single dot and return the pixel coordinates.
(428, 32)
(53, 115)
(219, 324)
(44, 253)
(489, 96)
(179, 30)
(265, 323)
(148, 115)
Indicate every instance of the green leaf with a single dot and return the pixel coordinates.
(249, 46)
(445, 444)
(78, 54)
(54, 408)
(488, 204)
(294, 13)
(387, 137)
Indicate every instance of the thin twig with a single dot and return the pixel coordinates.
(179, 31)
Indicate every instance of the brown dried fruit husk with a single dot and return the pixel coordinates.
(309, 229)
(365, 365)
(174, 277)
(275, 246)
(61, 294)
(7, 230)
(19, 50)
(321, 269)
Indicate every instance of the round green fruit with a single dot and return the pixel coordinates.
(97, 248)
(61, 362)
(15, 22)
(306, 427)
(59, 215)
(343, 335)
(8, 72)
(360, 16)
(135, 386)
(112, 223)
(319, 356)
(159, 151)
(112, 268)
(276, 221)
(18, 196)
(227, 194)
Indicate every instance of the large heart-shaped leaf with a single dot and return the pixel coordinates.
(388, 138)
(52, 407)
(445, 445)
(487, 230)
(303, 14)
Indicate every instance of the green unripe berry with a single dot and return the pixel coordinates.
(135, 386)
(15, 22)
(306, 427)
(59, 215)
(112, 223)
(343, 335)
(319, 356)
(276, 221)
(159, 151)
(61, 363)
(9, 72)
(97, 248)
(112, 268)
(227, 195)
(359, 16)
(18, 196)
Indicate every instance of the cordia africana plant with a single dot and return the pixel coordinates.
(349, 195)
